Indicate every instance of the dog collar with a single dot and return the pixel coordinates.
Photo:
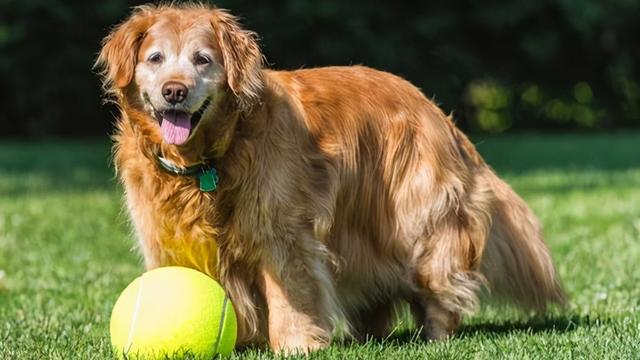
(204, 171)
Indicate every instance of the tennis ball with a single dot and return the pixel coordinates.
(172, 312)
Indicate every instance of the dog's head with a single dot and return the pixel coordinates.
(179, 63)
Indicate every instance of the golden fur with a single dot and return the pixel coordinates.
(343, 191)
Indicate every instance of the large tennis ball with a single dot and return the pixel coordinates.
(172, 312)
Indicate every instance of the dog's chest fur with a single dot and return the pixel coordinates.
(173, 219)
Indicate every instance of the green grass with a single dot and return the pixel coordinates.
(65, 247)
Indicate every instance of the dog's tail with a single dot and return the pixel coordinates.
(516, 262)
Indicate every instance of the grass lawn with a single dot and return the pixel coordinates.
(66, 251)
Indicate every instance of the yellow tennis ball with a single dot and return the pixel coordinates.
(173, 311)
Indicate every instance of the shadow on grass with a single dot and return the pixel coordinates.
(32, 168)
(37, 182)
(556, 325)
(527, 153)
(561, 182)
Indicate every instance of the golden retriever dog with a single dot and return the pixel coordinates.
(318, 197)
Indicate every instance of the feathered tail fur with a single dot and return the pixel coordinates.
(516, 261)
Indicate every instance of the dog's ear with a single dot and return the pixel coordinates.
(241, 57)
(117, 59)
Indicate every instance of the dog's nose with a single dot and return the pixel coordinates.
(174, 92)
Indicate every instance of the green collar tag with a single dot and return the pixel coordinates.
(208, 179)
(205, 172)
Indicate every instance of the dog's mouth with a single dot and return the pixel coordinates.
(177, 125)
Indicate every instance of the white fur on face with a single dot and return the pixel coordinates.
(178, 51)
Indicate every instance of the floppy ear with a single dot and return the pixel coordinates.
(241, 57)
(117, 58)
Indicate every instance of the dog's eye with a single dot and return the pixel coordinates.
(200, 59)
(155, 58)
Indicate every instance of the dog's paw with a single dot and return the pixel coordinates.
(441, 326)
(296, 343)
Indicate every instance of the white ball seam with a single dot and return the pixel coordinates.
(134, 317)
(221, 326)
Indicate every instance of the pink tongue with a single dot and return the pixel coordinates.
(176, 127)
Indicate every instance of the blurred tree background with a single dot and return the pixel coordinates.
(501, 65)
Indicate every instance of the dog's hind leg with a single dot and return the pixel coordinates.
(447, 280)
(374, 322)
(447, 261)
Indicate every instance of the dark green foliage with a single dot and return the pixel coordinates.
(517, 64)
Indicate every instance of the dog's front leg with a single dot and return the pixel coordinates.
(299, 308)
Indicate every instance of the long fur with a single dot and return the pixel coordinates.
(343, 191)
